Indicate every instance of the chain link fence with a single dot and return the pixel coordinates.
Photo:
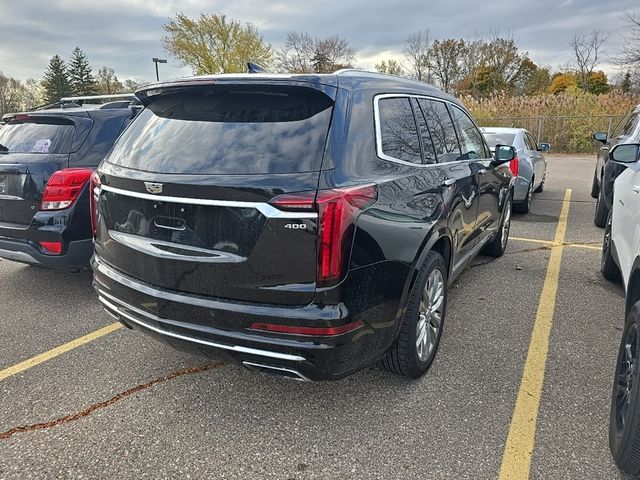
(566, 134)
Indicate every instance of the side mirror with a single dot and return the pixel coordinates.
(545, 147)
(625, 153)
(504, 154)
(600, 136)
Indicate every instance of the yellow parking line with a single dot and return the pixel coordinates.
(54, 352)
(551, 243)
(516, 460)
(532, 240)
(584, 245)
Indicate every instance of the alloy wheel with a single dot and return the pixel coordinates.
(430, 315)
(625, 379)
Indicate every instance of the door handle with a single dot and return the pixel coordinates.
(482, 170)
(447, 182)
(636, 189)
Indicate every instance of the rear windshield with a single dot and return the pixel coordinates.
(229, 130)
(37, 136)
(496, 138)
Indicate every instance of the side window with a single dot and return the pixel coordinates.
(528, 141)
(399, 133)
(630, 125)
(471, 139)
(428, 148)
(623, 125)
(443, 133)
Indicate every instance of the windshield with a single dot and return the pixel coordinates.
(31, 137)
(498, 138)
(229, 130)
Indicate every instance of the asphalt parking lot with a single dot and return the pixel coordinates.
(222, 421)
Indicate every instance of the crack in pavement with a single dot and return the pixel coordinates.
(547, 246)
(97, 406)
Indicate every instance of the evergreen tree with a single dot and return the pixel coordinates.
(80, 74)
(55, 82)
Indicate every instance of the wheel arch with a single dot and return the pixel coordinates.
(438, 240)
(633, 287)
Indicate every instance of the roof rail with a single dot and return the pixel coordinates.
(131, 96)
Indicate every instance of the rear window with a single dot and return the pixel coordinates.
(496, 138)
(229, 130)
(37, 136)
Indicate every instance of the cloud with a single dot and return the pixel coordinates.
(125, 34)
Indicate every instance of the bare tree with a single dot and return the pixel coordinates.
(416, 51)
(588, 55)
(446, 62)
(296, 55)
(304, 54)
(474, 56)
(629, 53)
(501, 55)
(11, 93)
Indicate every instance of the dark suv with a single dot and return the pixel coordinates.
(46, 159)
(307, 225)
(627, 131)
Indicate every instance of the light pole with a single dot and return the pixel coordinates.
(157, 61)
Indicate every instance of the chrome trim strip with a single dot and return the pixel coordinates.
(301, 377)
(326, 312)
(8, 227)
(267, 210)
(153, 248)
(233, 348)
(378, 130)
(18, 256)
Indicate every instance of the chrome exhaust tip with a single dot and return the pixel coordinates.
(273, 370)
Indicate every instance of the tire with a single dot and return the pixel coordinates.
(498, 245)
(415, 348)
(525, 205)
(624, 417)
(602, 212)
(595, 189)
(608, 266)
(540, 188)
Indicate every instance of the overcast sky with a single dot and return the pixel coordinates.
(125, 34)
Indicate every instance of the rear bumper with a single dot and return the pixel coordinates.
(76, 257)
(212, 327)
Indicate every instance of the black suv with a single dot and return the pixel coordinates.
(627, 131)
(46, 159)
(307, 225)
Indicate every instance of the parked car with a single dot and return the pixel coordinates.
(306, 225)
(621, 261)
(531, 168)
(46, 159)
(627, 131)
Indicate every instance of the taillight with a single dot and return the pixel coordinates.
(514, 166)
(63, 188)
(54, 248)
(337, 211)
(94, 196)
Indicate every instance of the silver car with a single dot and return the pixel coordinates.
(532, 166)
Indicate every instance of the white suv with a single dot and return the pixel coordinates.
(621, 260)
